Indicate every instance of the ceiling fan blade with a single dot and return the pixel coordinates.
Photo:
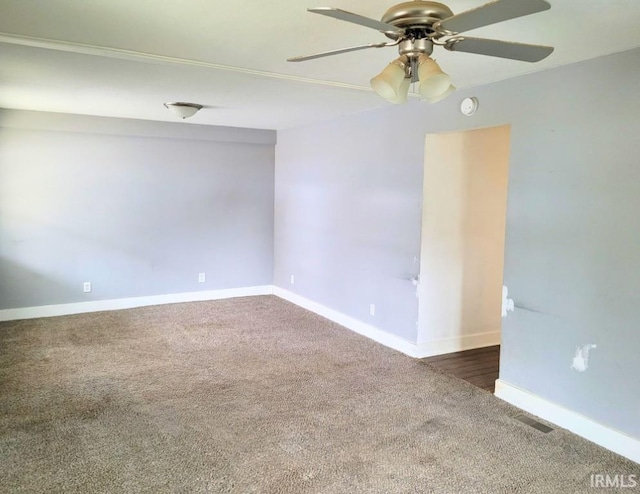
(490, 13)
(343, 15)
(501, 49)
(337, 52)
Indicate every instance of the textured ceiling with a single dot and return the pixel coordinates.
(125, 58)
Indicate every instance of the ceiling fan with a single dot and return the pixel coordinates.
(416, 26)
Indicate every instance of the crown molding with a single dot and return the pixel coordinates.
(137, 56)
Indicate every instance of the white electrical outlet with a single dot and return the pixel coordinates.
(372, 309)
(86, 287)
(202, 277)
(293, 280)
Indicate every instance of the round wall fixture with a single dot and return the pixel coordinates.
(469, 106)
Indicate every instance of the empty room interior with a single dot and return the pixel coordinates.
(287, 247)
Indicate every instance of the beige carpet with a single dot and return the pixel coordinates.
(256, 395)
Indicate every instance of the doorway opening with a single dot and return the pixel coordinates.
(462, 251)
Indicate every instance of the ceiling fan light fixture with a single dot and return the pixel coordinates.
(403, 92)
(433, 81)
(183, 110)
(390, 83)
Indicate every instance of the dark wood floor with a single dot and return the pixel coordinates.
(478, 367)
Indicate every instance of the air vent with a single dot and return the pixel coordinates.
(533, 423)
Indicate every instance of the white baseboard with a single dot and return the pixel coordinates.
(386, 339)
(458, 343)
(129, 303)
(608, 438)
(426, 349)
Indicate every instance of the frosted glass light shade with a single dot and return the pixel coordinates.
(450, 90)
(403, 91)
(183, 110)
(389, 83)
(433, 82)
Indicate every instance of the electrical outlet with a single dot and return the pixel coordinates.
(293, 280)
(86, 287)
(202, 277)
(372, 309)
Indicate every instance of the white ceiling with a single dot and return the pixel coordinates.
(124, 58)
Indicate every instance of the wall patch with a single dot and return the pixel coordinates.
(507, 303)
(581, 358)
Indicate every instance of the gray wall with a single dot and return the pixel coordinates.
(137, 208)
(348, 208)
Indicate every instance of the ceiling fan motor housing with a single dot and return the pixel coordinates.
(415, 47)
(416, 18)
